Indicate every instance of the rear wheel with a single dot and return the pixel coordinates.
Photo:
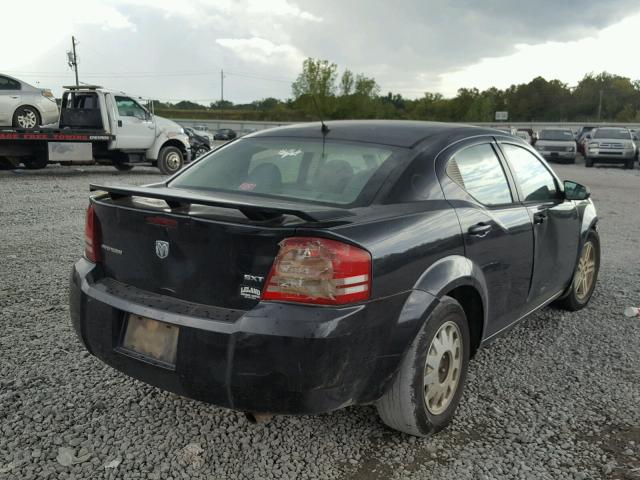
(588, 162)
(35, 162)
(6, 164)
(26, 117)
(426, 390)
(170, 160)
(123, 167)
(585, 275)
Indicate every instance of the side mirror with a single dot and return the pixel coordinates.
(587, 136)
(575, 191)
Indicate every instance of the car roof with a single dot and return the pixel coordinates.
(400, 133)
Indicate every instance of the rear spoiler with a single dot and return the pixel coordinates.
(247, 204)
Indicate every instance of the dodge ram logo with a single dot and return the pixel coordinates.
(162, 249)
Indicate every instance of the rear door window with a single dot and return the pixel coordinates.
(303, 169)
(477, 170)
(9, 84)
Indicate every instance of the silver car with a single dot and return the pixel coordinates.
(25, 106)
(557, 144)
(610, 145)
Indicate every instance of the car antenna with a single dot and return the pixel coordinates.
(324, 129)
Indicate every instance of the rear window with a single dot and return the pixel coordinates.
(293, 168)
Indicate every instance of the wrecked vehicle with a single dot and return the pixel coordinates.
(306, 268)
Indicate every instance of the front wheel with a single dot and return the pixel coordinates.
(588, 162)
(585, 275)
(170, 160)
(426, 390)
(629, 164)
(200, 151)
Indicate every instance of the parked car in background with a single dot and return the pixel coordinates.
(610, 145)
(556, 144)
(301, 269)
(581, 138)
(25, 106)
(202, 131)
(200, 144)
(225, 134)
(636, 141)
(524, 133)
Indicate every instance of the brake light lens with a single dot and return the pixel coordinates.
(92, 236)
(319, 271)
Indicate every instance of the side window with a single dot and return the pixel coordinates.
(477, 170)
(535, 181)
(8, 84)
(129, 108)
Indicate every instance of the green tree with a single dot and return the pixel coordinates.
(318, 78)
(346, 83)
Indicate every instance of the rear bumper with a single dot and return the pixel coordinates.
(275, 358)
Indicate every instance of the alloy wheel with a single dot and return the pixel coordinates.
(27, 119)
(442, 368)
(585, 273)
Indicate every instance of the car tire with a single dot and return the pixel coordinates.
(122, 167)
(588, 162)
(579, 293)
(170, 160)
(26, 117)
(35, 162)
(200, 151)
(630, 164)
(406, 405)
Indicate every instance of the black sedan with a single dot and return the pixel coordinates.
(307, 268)
(199, 143)
(225, 134)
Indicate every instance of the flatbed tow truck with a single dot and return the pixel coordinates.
(101, 126)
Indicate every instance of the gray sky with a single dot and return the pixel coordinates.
(174, 49)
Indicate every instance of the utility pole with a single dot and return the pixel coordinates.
(73, 58)
(600, 105)
(221, 85)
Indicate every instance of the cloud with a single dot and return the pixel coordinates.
(261, 50)
(173, 49)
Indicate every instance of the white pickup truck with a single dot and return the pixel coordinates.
(98, 125)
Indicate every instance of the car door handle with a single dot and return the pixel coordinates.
(480, 229)
(15, 96)
(539, 217)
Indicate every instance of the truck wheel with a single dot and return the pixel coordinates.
(26, 117)
(585, 275)
(427, 389)
(123, 167)
(630, 164)
(170, 160)
(588, 162)
(35, 162)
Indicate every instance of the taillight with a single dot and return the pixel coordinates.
(92, 236)
(319, 271)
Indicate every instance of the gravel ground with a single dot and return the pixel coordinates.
(556, 398)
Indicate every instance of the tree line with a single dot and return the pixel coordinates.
(319, 90)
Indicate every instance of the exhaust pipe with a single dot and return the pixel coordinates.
(254, 417)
